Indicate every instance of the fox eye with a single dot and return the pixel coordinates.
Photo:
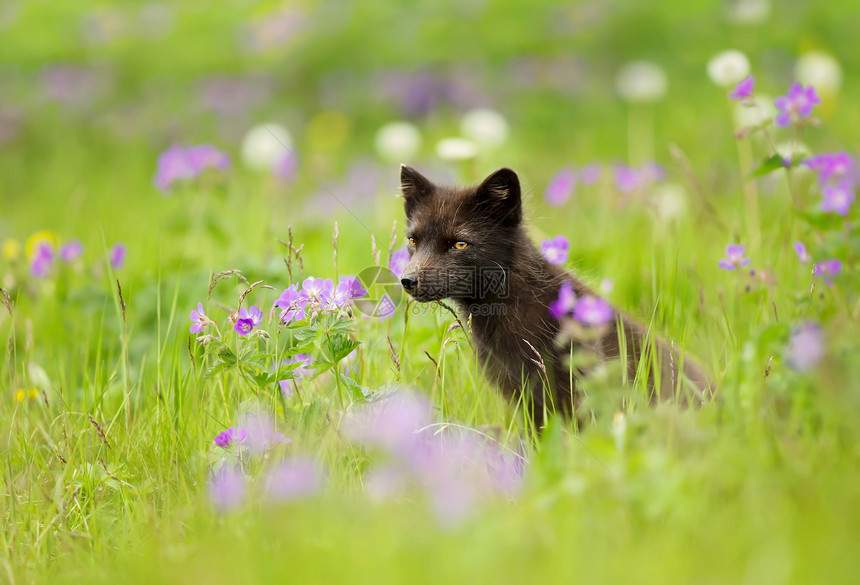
(411, 241)
(460, 245)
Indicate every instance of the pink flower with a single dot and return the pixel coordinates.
(796, 104)
(743, 89)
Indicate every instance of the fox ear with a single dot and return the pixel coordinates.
(500, 195)
(416, 187)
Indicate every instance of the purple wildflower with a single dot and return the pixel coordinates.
(200, 319)
(796, 104)
(827, 269)
(626, 178)
(399, 260)
(117, 255)
(317, 292)
(227, 488)
(734, 258)
(800, 250)
(838, 167)
(42, 260)
(179, 163)
(590, 174)
(390, 423)
(806, 346)
(744, 89)
(294, 478)
(564, 303)
(206, 156)
(837, 198)
(560, 187)
(247, 320)
(292, 304)
(71, 251)
(347, 289)
(555, 249)
(226, 438)
(592, 311)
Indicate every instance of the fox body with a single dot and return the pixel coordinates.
(469, 244)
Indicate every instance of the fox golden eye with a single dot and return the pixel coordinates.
(460, 245)
(411, 241)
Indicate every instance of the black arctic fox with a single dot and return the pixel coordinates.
(468, 244)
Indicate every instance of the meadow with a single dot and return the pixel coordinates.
(209, 372)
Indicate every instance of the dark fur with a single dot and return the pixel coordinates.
(489, 218)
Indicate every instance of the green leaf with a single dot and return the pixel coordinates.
(769, 165)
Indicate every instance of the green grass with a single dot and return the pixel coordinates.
(104, 472)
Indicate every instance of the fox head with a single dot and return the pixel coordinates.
(460, 239)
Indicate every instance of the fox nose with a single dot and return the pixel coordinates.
(409, 281)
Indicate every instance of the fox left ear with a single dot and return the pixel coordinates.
(416, 187)
(500, 195)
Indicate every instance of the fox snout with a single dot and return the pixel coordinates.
(409, 282)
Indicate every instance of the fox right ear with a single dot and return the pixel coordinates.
(416, 187)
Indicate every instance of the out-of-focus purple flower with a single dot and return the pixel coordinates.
(229, 437)
(390, 423)
(796, 104)
(806, 346)
(42, 260)
(837, 198)
(652, 172)
(629, 179)
(294, 478)
(565, 302)
(590, 173)
(800, 250)
(227, 488)
(248, 319)
(292, 304)
(117, 255)
(734, 258)
(835, 167)
(232, 96)
(200, 319)
(71, 251)
(70, 84)
(288, 385)
(261, 432)
(206, 156)
(284, 167)
(592, 311)
(179, 163)
(317, 292)
(555, 249)
(744, 89)
(399, 260)
(560, 187)
(827, 269)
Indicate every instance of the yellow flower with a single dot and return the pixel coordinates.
(44, 236)
(11, 249)
(20, 395)
(33, 393)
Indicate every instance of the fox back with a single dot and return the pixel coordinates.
(469, 245)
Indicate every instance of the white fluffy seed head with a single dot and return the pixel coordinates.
(265, 144)
(641, 81)
(819, 69)
(455, 149)
(748, 12)
(397, 141)
(485, 127)
(729, 67)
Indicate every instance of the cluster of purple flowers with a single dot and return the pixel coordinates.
(179, 163)
(588, 310)
(563, 183)
(316, 295)
(45, 255)
(456, 467)
(555, 250)
(838, 178)
(289, 479)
